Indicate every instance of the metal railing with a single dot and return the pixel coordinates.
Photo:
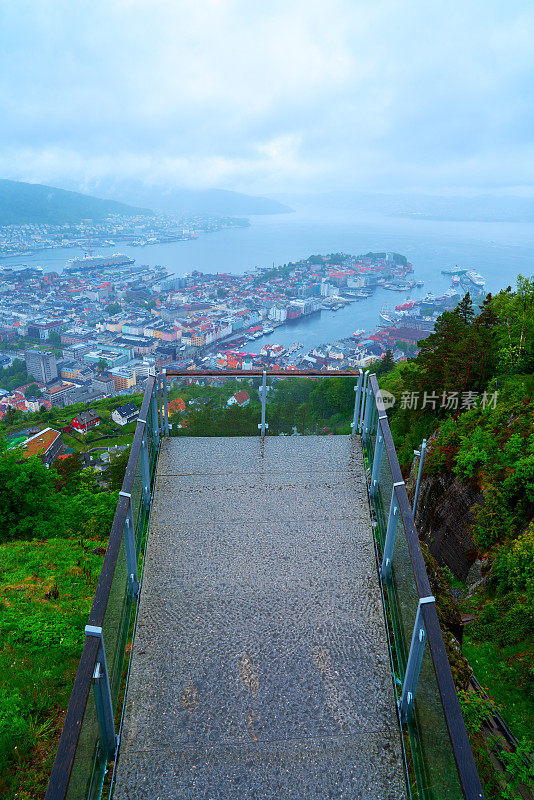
(89, 739)
(440, 761)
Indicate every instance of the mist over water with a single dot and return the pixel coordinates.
(499, 251)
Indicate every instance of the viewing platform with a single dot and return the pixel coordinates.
(260, 667)
(263, 627)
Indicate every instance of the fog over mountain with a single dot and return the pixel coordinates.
(166, 198)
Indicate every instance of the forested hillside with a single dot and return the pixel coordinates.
(32, 203)
(471, 392)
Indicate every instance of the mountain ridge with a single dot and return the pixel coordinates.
(23, 203)
(217, 202)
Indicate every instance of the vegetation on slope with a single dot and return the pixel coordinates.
(53, 530)
(477, 370)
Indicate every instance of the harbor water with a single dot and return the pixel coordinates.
(499, 251)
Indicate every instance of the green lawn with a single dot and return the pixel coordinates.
(113, 440)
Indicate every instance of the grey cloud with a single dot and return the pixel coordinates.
(269, 97)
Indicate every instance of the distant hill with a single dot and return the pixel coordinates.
(482, 208)
(26, 203)
(217, 202)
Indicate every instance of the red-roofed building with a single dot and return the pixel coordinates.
(241, 399)
(176, 406)
(85, 421)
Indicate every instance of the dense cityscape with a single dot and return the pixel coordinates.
(99, 327)
(21, 240)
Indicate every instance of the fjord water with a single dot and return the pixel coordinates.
(499, 251)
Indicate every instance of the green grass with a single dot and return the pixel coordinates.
(46, 591)
(489, 663)
(114, 440)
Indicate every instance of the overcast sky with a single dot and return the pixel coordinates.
(271, 96)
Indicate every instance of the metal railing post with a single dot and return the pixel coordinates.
(263, 395)
(421, 454)
(363, 399)
(357, 400)
(154, 415)
(165, 403)
(103, 701)
(389, 544)
(145, 470)
(415, 659)
(129, 546)
(159, 399)
(377, 460)
(368, 414)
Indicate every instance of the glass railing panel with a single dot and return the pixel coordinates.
(116, 621)
(151, 435)
(369, 437)
(382, 496)
(89, 765)
(137, 494)
(403, 595)
(433, 760)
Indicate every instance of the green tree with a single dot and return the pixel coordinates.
(113, 309)
(102, 365)
(117, 468)
(29, 506)
(465, 309)
(515, 334)
(67, 470)
(33, 391)
(54, 338)
(90, 513)
(386, 364)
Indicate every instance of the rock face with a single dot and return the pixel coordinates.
(444, 515)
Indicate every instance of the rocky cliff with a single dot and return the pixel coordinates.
(444, 515)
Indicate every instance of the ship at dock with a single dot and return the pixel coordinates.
(88, 262)
(454, 270)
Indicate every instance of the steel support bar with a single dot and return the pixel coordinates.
(263, 395)
(421, 454)
(165, 403)
(391, 532)
(415, 659)
(103, 701)
(357, 400)
(131, 550)
(377, 460)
